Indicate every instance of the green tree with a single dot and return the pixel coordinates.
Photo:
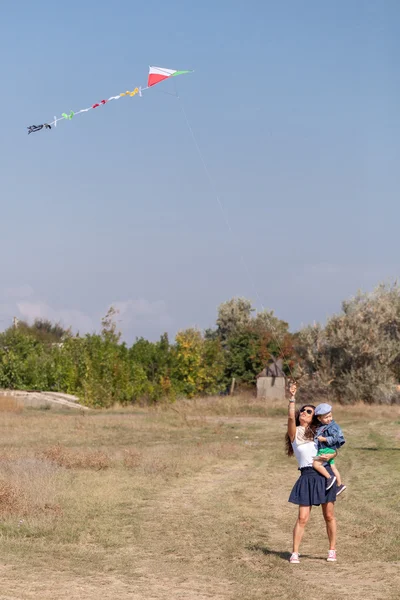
(198, 366)
(155, 359)
(106, 378)
(20, 357)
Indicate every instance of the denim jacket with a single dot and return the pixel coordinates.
(333, 434)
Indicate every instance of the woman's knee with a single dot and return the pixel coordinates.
(302, 519)
(329, 518)
(329, 514)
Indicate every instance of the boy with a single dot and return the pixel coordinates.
(330, 438)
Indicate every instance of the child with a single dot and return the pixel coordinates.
(330, 439)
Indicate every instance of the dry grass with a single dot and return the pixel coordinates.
(156, 461)
(244, 404)
(76, 459)
(188, 502)
(29, 489)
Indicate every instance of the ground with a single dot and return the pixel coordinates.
(189, 502)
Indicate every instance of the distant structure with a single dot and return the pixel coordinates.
(271, 382)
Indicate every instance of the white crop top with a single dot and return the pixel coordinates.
(303, 449)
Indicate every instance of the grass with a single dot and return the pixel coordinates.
(189, 502)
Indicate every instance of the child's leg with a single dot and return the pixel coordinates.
(318, 466)
(336, 472)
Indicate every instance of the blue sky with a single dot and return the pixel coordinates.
(295, 107)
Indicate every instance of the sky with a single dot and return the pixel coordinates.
(274, 176)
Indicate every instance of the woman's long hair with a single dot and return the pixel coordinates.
(309, 432)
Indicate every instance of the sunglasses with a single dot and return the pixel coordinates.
(309, 411)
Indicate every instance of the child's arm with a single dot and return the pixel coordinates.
(335, 438)
(331, 440)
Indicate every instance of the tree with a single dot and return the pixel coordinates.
(109, 330)
(155, 357)
(19, 355)
(214, 360)
(233, 315)
(357, 354)
(198, 366)
(106, 379)
(267, 321)
(45, 331)
(251, 348)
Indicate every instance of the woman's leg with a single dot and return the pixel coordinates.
(328, 511)
(298, 531)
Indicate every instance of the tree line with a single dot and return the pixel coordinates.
(354, 356)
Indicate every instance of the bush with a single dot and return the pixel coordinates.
(357, 354)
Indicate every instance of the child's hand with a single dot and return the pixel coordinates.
(321, 438)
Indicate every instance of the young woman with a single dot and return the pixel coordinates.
(310, 489)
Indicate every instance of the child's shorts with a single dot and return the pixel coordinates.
(324, 451)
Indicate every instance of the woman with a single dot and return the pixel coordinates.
(309, 490)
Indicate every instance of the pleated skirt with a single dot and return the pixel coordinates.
(309, 489)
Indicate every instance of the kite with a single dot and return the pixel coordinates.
(156, 75)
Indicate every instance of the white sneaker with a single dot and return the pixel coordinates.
(340, 489)
(330, 482)
(294, 559)
(331, 556)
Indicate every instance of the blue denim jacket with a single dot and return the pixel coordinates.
(333, 434)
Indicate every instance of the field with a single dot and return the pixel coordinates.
(189, 502)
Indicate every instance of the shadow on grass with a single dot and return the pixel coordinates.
(282, 554)
(371, 449)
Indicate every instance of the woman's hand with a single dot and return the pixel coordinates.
(293, 389)
(325, 457)
(321, 438)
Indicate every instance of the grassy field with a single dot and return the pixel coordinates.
(189, 502)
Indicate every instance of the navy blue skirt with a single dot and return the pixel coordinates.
(309, 489)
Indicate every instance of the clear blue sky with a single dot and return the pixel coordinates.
(295, 106)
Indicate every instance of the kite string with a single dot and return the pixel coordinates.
(214, 189)
(84, 110)
(227, 222)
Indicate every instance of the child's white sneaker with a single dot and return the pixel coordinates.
(330, 482)
(331, 556)
(294, 559)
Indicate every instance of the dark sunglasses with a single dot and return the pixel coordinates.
(309, 411)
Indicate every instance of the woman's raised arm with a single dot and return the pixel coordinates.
(291, 426)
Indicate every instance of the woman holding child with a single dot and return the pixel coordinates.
(317, 482)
